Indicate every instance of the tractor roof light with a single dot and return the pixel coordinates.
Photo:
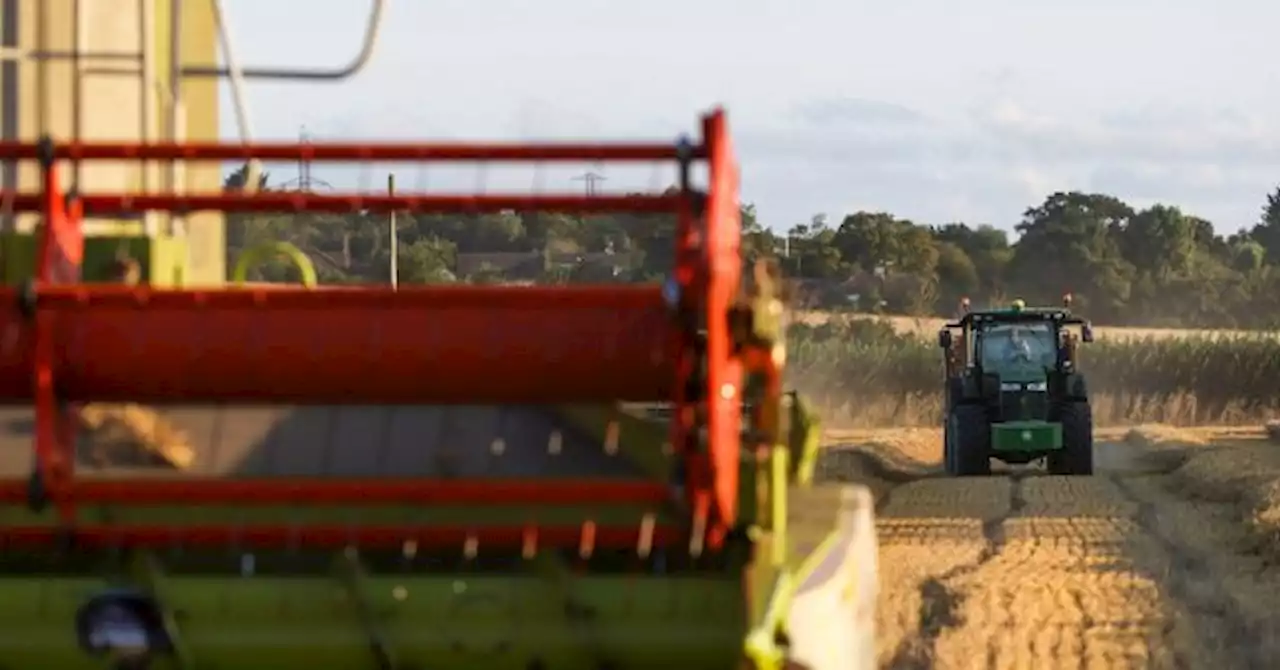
(1019, 305)
(1066, 300)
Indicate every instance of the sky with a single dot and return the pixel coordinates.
(934, 110)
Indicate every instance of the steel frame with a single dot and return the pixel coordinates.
(77, 342)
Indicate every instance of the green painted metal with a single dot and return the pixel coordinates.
(404, 609)
(639, 440)
(804, 437)
(295, 609)
(427, 618)
(783, 552)
(162, 259)
(1032, 436)
(271, 250)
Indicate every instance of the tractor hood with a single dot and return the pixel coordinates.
(1024, 399)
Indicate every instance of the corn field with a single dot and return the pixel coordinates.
(1210, 380)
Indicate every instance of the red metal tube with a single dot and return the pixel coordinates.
(332, 536)
(275, 201)
(494, 346)
(367, 152)
(550, 300)
(351, 492)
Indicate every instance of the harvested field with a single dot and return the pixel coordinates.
(1161, 560)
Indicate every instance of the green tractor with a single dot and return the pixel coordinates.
(1013, 390)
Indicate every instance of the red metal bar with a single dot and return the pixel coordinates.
(383, 152)
(548, 300)
(724, 369)
(332, 536)
(487, 343)
(351, 492)
(277, 201)
(60, 253)
(487, 346)
(433, 347)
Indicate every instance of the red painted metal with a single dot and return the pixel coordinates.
(550, 301)
(371, 152)
(279, 491)
(428, 346)
(724, 369)
(333, 536)
(431, 345)
(60, 254)
(115, 204)
(708, 270)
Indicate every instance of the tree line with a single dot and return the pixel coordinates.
(1154, 267)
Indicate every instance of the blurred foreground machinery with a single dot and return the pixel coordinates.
(648, 547)
(1013, 390)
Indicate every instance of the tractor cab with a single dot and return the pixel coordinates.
(1010, 378)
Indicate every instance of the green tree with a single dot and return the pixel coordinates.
(989, 250)
(1160, 242)
(1267, 231)
(1069, 244)
(957, 275)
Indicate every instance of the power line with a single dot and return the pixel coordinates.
(304, 163)
(305, 182)
(590, 180)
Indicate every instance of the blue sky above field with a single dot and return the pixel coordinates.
(932, 109)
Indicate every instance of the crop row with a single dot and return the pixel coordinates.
(867, 359)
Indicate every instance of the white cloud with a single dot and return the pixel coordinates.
(983, 164)
(995, 161)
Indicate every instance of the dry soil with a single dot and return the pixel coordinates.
(1162, 559)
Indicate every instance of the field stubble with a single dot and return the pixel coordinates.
(1162, 560)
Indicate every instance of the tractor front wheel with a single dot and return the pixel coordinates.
(970, 433)
(1076, 455)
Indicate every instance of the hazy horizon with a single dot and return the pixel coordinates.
(930, 110)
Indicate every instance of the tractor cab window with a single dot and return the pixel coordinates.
(1018, 351)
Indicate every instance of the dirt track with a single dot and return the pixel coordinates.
(1120, 570)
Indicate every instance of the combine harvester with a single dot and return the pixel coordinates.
(688, 557)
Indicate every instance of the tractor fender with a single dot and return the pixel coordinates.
(1074, 387)
(971, 387)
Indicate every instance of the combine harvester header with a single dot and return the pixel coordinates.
(692, 569)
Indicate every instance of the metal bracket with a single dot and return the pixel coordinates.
(149, 576)
(37, 490)
(351, 575)
(361, 59)
(28, 298)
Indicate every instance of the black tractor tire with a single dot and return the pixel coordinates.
(1076, 455)
(970, 441)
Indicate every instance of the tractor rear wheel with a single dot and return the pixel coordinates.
(1076, 455)
(970, 433)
